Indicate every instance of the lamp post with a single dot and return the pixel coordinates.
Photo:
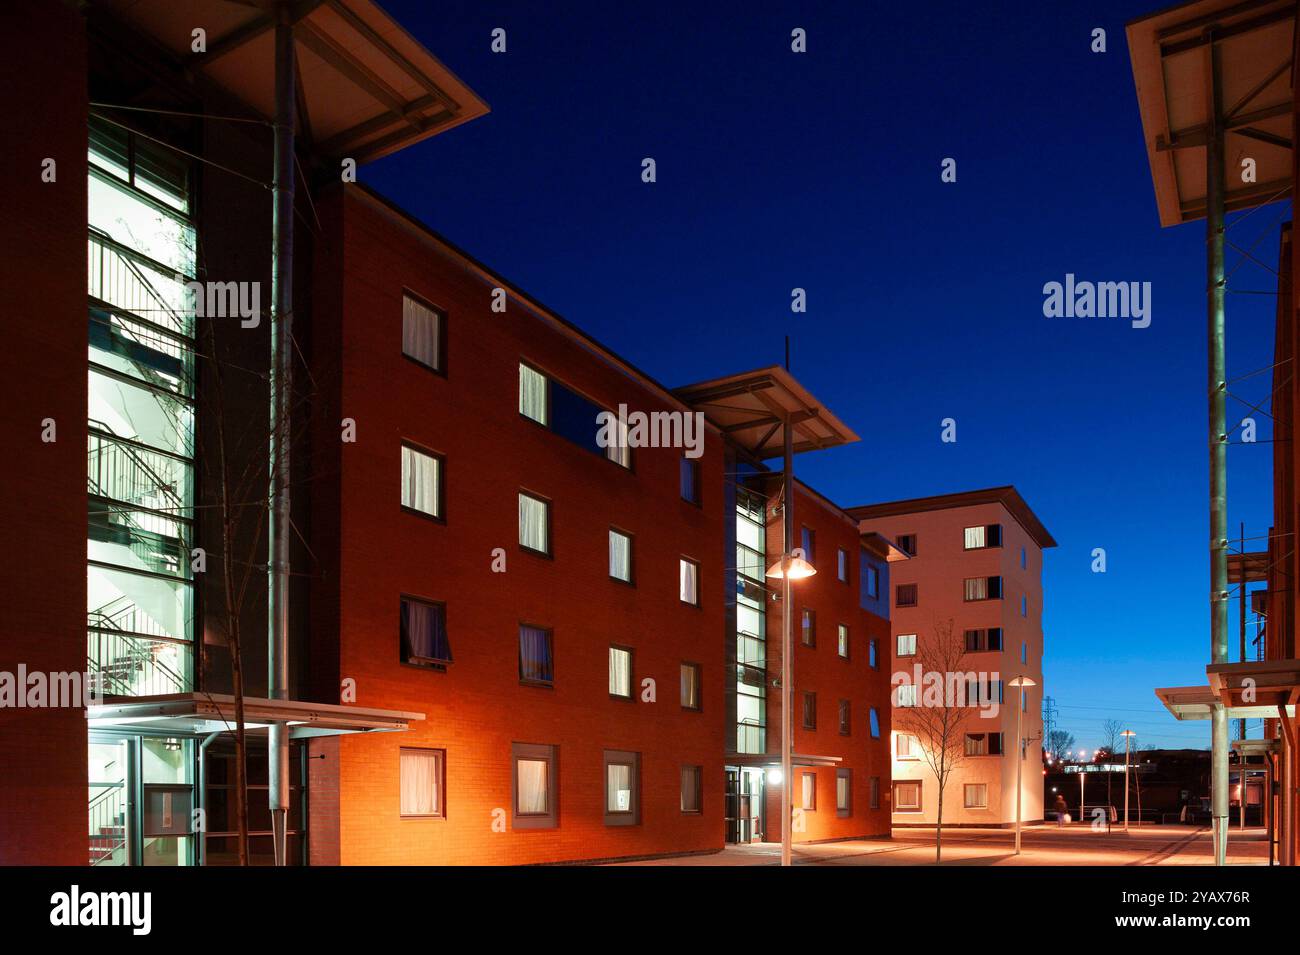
(1021, 681)
(791, 566)
(1128, 737)
(1083, 762)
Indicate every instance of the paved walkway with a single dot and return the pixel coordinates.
(1040, 845)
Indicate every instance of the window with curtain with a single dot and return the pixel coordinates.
(620, 672)
(808, 791)
(907, 796)
(533, 391)
(534, 782)
(421, 777)
(976, 796)
(842, 563)
(620, 556)
(535, 663)
(905, 695)
(690, 581)
(907, 644)
(421, 332)
(983, 588)
(692, 776)
(844, 792)
(985, 535)
(843, 641)
(808, 628)
(691, 686)
(534, 524)
(421, 481)
(874, 720)
(622, 785)
(977, 744)
(846, 719)
(809, 711)
(690, 480)
(906, 747)
(619, 451)
(424, 633)
(974, 538)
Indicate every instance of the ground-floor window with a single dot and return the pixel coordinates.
(535, 785)
(843, 792)
(422, 772)
(808, 792)
(692, 777)
(622, 785)
(976, 795)
(907, 796)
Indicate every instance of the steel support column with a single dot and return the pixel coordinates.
(1214, 212)
(281, 383)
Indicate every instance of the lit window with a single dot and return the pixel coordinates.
(533, 395)
(421, 482)
(985, 535)
(620, 556)
(534, 524)
(808, 628)
(808, 791)
(907, 746)
(620, 672)
(983, 588)
(843, 641)
(689, 572)
(907, 796)
(692, 779)
(421, 781)
(421, 333)
(690, 688)
(535, 662)
(907, 644)
(905, 695)
(843, 792)
(424, 633)
(535, 783)
(843, 564)
(622, 803)
(976, 796)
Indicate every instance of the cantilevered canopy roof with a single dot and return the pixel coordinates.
(773, 761)
(1171, 53)
(183, 713)
(883, 547)
(1250, 567)
(1251, 690)
(1006, 495)
(752, 408)
(366, 87)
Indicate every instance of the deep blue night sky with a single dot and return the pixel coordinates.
(821, 171)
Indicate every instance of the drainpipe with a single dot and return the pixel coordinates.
(281, 381)
(787, 651)
(1214, 211)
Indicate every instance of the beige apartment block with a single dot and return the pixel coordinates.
(975, 559)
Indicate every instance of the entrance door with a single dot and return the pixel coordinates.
(744, 804)
(110, 803)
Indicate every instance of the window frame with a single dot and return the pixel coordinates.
(631, 673)
(437, 666)
(846, 717)
(965, 795)
(440, 758)
(631, 556)
(699, 686)
(550, 644)
(807, 698)
(632, 815)
(898, 646)
(440, 461)
(545, 425)
(841, 565)
(844, 811)
(541, 752)
(697, 480)
(682, 559)
(843, 647)
(549, 553)
(441, 317)
(919, 805)
(699, 789)
(808, 634)
(873, 722)
(898, 594)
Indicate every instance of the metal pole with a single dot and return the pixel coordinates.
(1241, 724)
(1214, 211)
(787, 649)
(1020, 762)
(1127, 740)
(1082, 774)
(281, 381)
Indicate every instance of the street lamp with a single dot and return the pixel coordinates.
(791, 566)
(1021, 681)
(1128, 736)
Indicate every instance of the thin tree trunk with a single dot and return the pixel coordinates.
(938, 829)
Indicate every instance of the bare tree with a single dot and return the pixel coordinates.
(1110, 739)
(939, 714)
(1059, 744)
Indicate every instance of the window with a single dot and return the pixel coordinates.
(874, 719)
(983, 588)
(873, 654)
(875, 792)
(976, 795)
(842, 641)
(808, 629)
(846, 718)
(1024, 606)
(690, 686)
(907, 746)
(689, 572)
(534, 524)
(422, 332)
(977, 744)
(620, 556)
(982, 692)
(1023, 562)
(808, 541)
(984, 535)
(421, 482)
(979, 641)
(907, 796)
(535, 786)
(906, 543)
(690, 479)
(842, 564)
(617, 447)
(622, 782)
(533, 395)
(422, 776)
(620, 672)
(692, 780)
(871, 581)
(905, 695)
(907, 644)
(535, 663)
(809, 711)
(424, 634)
(905, 595)
(1024, 652)
(808, 791)
(843, 793)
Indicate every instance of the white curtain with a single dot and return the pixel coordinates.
(690, 685)
(419, 481)
(533, 524)
(532, 394)
(530, 786)
(420, 332)
(690, 789)
(974, 537)
(977, 588)
(906, 644)
(619, 788)
(690, 582)
(620, 672)
(809, 791)
(419, 782)
(620, 556)
(841, 792)
(619, 452)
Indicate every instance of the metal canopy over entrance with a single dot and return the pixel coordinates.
(752, 409)
(366, 87)
(189, 713)
(1170, 50)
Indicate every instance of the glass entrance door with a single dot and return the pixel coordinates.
(744, 804)
(110, 803)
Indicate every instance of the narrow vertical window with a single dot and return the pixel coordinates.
(808, 629)
(620, 672)
(533, 401)
(874, 720)
(875, 792)
(421, 482)
(842, 561)
(690, 480)
(690, 581)
(534, 524)
(809, 542)
(873, 654)
(535, 662)
(842, 641)
(843, 793)
(620, 556)
(424, 633)
(690, 688)
(422, 329)
(692, 778)
(622, 788)
(808, 792)
(421, 782)
(810, 711)
(846, 718)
